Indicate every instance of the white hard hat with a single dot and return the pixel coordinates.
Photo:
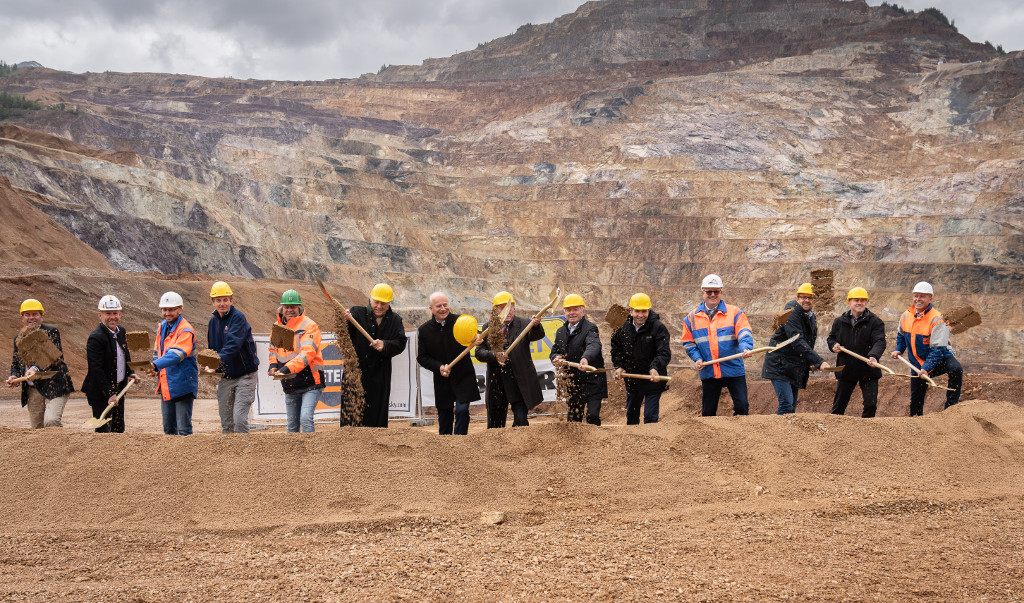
(171, 300)
(108, 303)
(923, 287)
(711, 281)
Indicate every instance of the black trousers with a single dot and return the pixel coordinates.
(497, 407)
(919, 387)
(580, 402)
(711, 391)
(116, 414)
(868, 391)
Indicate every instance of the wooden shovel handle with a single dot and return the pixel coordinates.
(519, 338)
(359, 327)
(465, 351)
(740, 355)
(917, 372)
(646, 377)
(865, 360)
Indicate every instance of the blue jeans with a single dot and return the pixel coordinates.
(651, 402)
(787, 394)
(460, 418)
(919, 387)
(177, 415)
(300, 409)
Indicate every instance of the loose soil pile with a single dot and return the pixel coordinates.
(806, 506)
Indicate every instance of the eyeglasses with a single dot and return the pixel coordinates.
(713, 291)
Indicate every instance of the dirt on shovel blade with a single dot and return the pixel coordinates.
(353, 398)
(780, 319)
(961, 318)
(36, 349)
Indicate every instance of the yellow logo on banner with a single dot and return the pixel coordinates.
(540, 349)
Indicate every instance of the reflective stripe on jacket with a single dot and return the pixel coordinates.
(727, 333)
(925, 336)
(306, 352)
(174, 355)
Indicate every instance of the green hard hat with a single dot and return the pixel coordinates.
(291, 298)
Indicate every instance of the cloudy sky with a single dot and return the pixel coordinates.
(321, 39)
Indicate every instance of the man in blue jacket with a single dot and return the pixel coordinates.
(230, 335)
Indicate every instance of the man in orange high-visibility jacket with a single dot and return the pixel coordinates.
(924, 333)
(305, 361)
(174, 356)
(713, 330)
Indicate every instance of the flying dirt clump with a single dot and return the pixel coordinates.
(208, 359)
(282, 337)
(353, 398)
(35, 348)
(961, 318)
(821, 284)
(495, 333)
(139, 347)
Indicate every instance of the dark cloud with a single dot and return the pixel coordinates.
(318, 39)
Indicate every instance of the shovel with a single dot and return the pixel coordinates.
(768, 349)
(38, 376)
(358, 326)
(95, 423)
(832, 369)
(552, 299)
(917, 373)
(462, 354)
(865, 360)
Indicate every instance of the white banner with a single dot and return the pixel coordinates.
(269, 402)
(540, 351)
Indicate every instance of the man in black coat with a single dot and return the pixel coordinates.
(454, 386)
(641, 346)
(45, 398)
(578, 341)
(511, 379)
(108, 358)
(861, 332)
(389, 340)
(789, 368)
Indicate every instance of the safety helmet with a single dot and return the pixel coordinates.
(171, 300)
(711, 281)
(465, 329)
(503, 297)
(31, 305)
(857, 293)
(572, 300)
(805, 289)
(220, 289)
(639, 301)
(924, 287)
(382, 293)
(109, 303)
(291, 298)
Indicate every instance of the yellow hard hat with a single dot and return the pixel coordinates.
(32, 305)
(572, 300)
(465, 329)
(857, 293)
(220, 289)
(639, 301)
(805, 289)
(503, 297)
(382, 293)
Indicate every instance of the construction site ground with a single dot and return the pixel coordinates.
(801, 507)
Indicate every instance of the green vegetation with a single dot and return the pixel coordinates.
(896, 7)
(941, 18)
(6, 69)
(383, 68)
(12, 105)
(998, 49)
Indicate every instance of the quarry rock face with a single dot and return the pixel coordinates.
(634, 145)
